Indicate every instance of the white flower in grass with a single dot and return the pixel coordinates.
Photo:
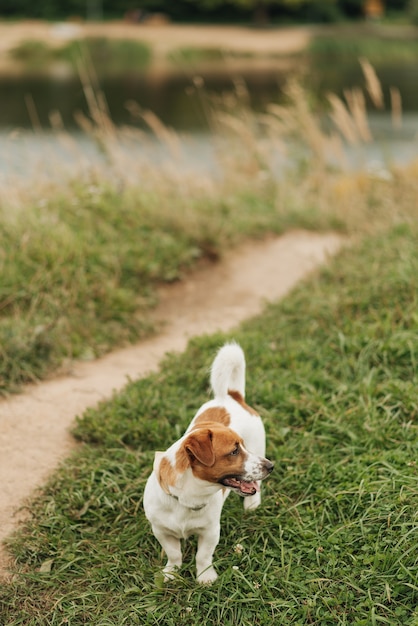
(239, 548)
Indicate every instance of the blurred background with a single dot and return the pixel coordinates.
(179, 60)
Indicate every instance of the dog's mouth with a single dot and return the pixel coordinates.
(243, 487)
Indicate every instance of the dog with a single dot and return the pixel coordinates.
(222, 450)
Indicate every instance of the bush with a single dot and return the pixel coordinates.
(413, 11)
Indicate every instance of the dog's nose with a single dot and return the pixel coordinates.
(268, 466)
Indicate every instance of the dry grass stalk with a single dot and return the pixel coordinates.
(343, 120)
(244, 151)
(96, 101)
(357, 105)
(297, 120)
(373, 84)
(396, 107)
(310, 127)
(67, 140)
(33, 113)
(241, 91)
(160, 130)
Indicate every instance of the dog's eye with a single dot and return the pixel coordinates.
(235, 451)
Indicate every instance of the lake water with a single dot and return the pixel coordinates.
(181, 105)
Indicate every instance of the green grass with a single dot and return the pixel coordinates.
(107, 55)
(80, 271)
(349, 46)
(196, 55)
(32, 53)
(333, 371)
(189, 55)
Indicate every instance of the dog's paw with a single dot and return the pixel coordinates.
(207, 577)
(170, 572)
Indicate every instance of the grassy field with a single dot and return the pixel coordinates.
(333, 371)
(107, 56)
(376, 48)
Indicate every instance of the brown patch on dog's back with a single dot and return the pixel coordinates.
(215, 414)
(167, 474)
(238, 398)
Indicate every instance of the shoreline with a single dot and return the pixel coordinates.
(263, 45)
(278, 46)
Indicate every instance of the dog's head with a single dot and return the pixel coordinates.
(217, 455)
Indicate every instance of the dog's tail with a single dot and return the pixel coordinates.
(228, 371)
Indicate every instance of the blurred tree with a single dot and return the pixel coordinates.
(396, 5)
(326, 10)
(413, 11)
(12, 7)
(352, 8)
(259, 8)
(94, 9)
(198, 10)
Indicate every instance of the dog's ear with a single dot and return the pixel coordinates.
(157, 461)
(199, 446)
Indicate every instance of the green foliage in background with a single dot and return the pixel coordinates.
(201, 10)
(105, 55)
(413, 11)
(376, 49)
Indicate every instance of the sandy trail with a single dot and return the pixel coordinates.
(34, 435)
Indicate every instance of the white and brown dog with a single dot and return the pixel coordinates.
(223, 449)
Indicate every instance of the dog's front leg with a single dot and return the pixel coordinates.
(207, 542)
(172, 547)
(252, 502)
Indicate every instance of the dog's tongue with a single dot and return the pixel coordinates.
(249, 487)
(245, 487)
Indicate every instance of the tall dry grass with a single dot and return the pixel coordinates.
(250, 150)
(318, 163)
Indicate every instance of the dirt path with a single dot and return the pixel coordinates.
(34, 434)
